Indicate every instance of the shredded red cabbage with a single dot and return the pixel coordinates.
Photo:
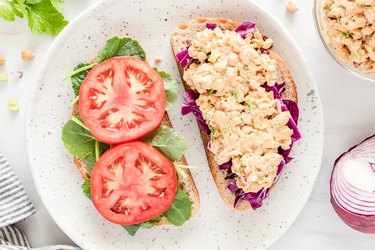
(264, 51)
(191, 107)
(286, 105)
(183, 57)
(245, 28)
(211, 26)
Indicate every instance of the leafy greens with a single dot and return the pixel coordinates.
(44, 16)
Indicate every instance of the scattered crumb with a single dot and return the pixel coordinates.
(3, 77)
(27, 55)
(12, 105)
(157, 59)
(291, 6)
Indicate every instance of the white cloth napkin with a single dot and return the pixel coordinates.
(15, 206)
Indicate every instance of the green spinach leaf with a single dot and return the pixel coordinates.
(180, 210)
(114, 47)
(132, 229)
(79, 141)
(90, 162)
(167, 141)
(86, 188)
(120, 47)
(79, 77)
(170, 88)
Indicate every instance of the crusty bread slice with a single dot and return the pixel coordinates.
(186, 184)
(181, 37)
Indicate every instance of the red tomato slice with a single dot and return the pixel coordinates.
(132, 183)
(122, 99)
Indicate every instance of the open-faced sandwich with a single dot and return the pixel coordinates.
(123, 143)
(245, 102)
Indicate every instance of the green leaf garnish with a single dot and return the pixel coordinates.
(114, 47)
(170, 88)
(121, 47)
(180, 210)
(78, 77)
(79, 141)
(132, 229)
(44, 18)
(86, 188)
(167, 141)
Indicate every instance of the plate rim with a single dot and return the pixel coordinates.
(73, 24)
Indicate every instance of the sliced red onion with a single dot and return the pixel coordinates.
(211, 26)
(245, 28)
(352, 186)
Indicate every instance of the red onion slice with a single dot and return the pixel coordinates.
(353, 186)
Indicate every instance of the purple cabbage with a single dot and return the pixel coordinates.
(264, 51)
(293, 109)
(226, 166)
(245, 28)
(255, 199)
(183, 57)
(286, 105)
(191, 107)
(211, 26)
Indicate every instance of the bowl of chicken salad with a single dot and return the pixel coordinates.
(346, 29)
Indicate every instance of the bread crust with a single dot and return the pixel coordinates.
(182, 37)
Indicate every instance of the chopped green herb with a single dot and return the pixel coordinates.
(346, 34)
(211, 91)
(326, 7)
(201, 48)
(212, 132)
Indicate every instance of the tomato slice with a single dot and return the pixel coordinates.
(132, 183)
(122, 99)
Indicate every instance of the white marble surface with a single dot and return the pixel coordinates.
(347, 103)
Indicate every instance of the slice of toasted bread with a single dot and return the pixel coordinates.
(186, 184)
(182, 37)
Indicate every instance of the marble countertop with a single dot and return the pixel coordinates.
(347, 103)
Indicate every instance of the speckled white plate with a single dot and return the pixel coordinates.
(216, 226)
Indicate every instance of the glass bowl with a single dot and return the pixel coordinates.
(319, 25)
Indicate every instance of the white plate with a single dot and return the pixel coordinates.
(216, 226)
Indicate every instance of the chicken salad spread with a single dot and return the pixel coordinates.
(247, 123)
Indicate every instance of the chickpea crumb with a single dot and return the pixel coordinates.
(157, 59)
(291, 6)
(12, 105)
(27, 55)
(2, 60)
